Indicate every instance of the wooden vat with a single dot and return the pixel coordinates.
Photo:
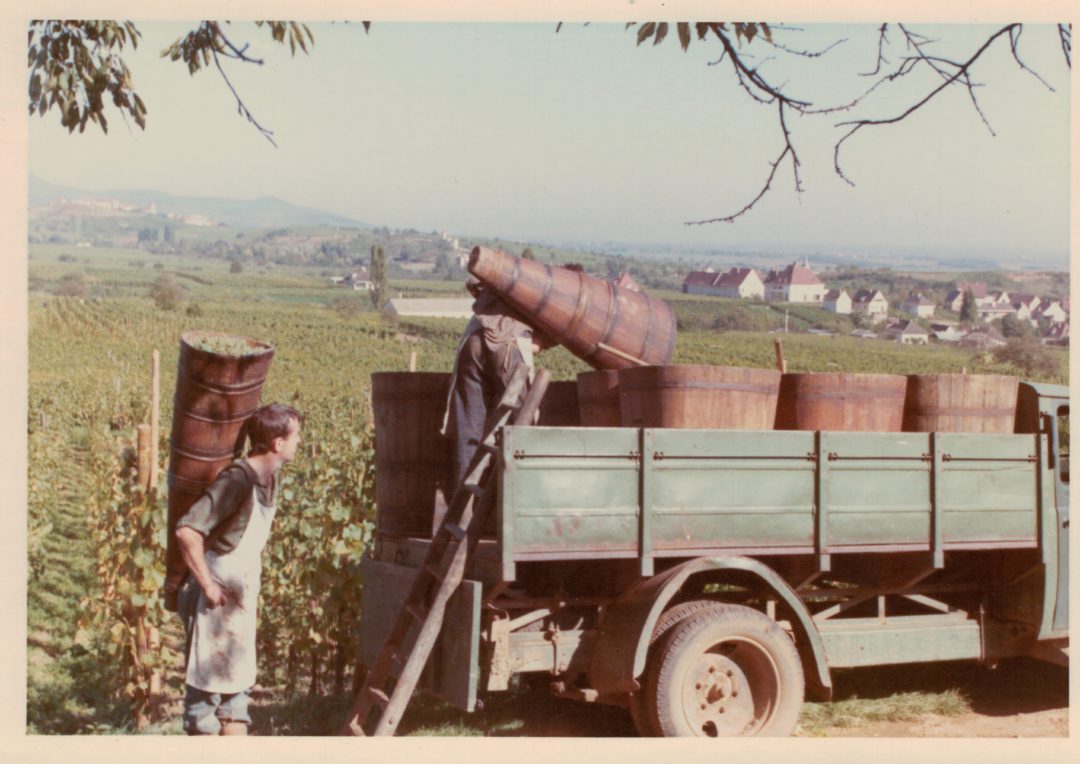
(215, 394)
(960, 403)
(832, 401)
(699, 397)
(559, 407)
(412, 458)
(605, 325)
(598, 398)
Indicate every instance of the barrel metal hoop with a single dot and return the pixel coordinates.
(860, 395)
(548, 285)
(738, 387)
(582, 306)
(211, 419)
(203, 454)
(648, 331)
(936, 411)
(223, 388)
(612, 318)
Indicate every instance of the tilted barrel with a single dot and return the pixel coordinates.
(607, 326)
(834, 401)
(960, 403)
(699, 397)
(219, 379)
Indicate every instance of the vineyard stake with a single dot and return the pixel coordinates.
(412, 361)
(144, 457)
(155, 396)
(781, 364)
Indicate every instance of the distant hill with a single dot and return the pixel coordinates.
(264, 212)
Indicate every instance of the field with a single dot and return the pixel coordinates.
(96, 544)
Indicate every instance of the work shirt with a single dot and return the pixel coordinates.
(222, 513)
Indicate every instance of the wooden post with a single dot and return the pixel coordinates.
(412, 361)
(781, 364)
(144, 458)
(155, 404)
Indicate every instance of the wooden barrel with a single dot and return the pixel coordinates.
(699, 397)
(412, 458)
(598, 398)
(559, 406)
(605, 325)
(960, 403)
(863, 402)
(219, 379)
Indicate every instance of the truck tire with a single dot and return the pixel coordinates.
(643, 721)
(726, 670)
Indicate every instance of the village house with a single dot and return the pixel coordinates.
(837, 301)
(701, 282)
(1056, 334)
(358, 280)
(871, 302)
(739, 283)
(983, 338)
(795, 283)
(995, 305)
(946, 332)
(1053, 310)
(907, 332)
(1025, 306)
(918, 305)
(955, 299)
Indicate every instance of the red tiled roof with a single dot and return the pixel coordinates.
(701, 278)
(977, 288)
(735, 277)
(792, 275)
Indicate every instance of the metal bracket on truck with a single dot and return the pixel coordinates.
(623, 643)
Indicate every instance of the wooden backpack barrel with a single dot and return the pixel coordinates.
(831, 401)
(598, 398)
(960, 403)
(412, 458)
(699, 397)
(219, 379)
(607, 326)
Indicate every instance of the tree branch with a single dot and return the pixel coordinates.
(960, 74)
(240, 107)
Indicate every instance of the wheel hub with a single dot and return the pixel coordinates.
(717, 700)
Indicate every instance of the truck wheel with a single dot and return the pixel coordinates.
(727, 670)
(643, 721)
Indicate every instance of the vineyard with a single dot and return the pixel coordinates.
(98, 637)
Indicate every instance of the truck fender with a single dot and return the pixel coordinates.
(622, 645)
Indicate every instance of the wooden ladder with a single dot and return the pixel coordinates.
(393, 677)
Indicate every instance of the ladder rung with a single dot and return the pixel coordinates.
(474, 488)
(379, 696)
(490, 448)
(417, 612)
(455, 530)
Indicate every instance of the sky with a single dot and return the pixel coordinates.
(512, 130)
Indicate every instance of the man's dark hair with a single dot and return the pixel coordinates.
(269, 422)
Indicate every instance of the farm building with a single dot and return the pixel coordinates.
(358, 280)
(795, 283)
(871, 302)
(917, 304)
(431, 307)
(837, 301)
(907, 332)
(739, 283)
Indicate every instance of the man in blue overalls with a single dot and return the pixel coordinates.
(222, 538)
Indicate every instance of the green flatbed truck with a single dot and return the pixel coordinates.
(708, 580)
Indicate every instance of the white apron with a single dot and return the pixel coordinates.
(222, 655)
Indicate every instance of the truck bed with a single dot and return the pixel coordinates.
(594, 493)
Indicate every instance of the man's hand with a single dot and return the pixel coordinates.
(215, 595)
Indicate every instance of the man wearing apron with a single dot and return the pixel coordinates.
(222, 538)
